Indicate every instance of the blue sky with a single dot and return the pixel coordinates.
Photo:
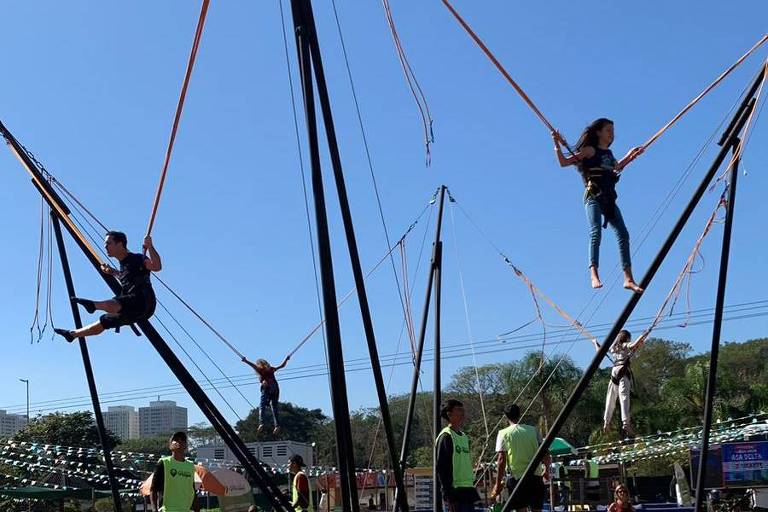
(91, 88)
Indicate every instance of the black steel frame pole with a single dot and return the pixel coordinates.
(249, 462)
(354, 255)
(339, 401)
(365, 312)
(716, 330)
(105, 448)
(437, 502)
(422, 333)
(742, 114)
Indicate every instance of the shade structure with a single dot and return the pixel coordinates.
(561, 447)
(45, 493)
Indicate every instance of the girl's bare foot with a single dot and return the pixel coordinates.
(596, 283)
(629, 281)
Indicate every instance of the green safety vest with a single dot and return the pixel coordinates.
(463, 474)
(592, 470)
(521, 443)
(295, 486)
(178, 485)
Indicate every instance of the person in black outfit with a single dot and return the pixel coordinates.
(455, 471)
(136, 300)
(599, 171)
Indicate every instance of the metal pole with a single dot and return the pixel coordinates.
(422, 334)
(105, 448)
(354, 256)
(742, 114)
(252, 466)
(339, 401)
(437, 503)
(26, 381)
(716, 330)
(436, 253)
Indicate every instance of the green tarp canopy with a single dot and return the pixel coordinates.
(561, 447)
(45, 493)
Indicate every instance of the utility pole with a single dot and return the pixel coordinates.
(26, 381)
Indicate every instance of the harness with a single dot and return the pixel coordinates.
(600, 185)
(600, 182)
(625, 370)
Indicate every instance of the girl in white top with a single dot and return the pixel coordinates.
(620, 384)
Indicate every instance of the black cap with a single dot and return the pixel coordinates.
(180, 437)
(298, 460)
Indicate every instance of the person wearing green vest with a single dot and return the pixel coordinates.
(516, 445)
(452, 461)
(173, 482)
(301, 489)
(591, 480)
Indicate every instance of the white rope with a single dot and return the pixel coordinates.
(468, 321)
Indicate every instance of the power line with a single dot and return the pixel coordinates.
(751, 309)
(737, 312)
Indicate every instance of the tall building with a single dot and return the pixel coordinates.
(123, 421)
(161, 418)
(11, 423)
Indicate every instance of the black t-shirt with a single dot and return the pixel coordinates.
(133, 275)
(599, 169)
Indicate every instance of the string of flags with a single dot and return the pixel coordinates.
(665, 444)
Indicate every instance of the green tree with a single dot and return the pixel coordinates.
(155, 445)
(297, 423)
(201, 434)
(685, 393)
(543, 386)
(65, 429)
(465, 381)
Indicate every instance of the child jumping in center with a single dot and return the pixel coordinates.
(270, 390)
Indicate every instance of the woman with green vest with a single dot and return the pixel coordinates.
(174, 480)
(301, 489)
(453, 462)
(516, 446)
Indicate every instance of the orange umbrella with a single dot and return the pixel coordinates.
(209, 482)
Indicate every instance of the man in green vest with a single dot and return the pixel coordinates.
(516, 445)
(173, 482)
(301, 489)
(453, 462)
(591, 480)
